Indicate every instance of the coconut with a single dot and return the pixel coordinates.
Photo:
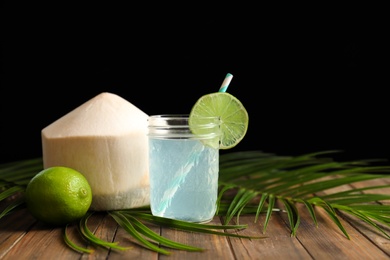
(106, 140)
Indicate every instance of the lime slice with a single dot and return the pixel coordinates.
(233, 115)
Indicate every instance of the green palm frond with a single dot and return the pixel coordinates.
(14, 178)
(250, 183)
(302, 180)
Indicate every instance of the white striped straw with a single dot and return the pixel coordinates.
(226, 82)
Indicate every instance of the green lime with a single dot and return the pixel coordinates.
(233, 116)
(58, 195)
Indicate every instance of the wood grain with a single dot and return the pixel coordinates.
(22, 237)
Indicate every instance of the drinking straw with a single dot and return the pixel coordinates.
(226, 82)
(179, 178)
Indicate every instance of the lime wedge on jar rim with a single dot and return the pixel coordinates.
(233, 116)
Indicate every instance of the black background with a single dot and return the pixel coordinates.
(311, 78)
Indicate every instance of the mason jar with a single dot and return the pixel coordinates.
(183, 167)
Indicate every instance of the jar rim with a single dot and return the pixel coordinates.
(179, 116)
(177, 126)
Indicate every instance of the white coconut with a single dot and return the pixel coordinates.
(106, 140)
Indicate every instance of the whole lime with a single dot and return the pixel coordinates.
(58, 195)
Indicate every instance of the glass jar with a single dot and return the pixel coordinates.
(183, 167)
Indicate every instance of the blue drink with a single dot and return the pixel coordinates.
(183, 171)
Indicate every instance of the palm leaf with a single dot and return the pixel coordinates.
(143, 230)
(186, 226)
(127, 225)
(250, 183)
(299, 179)
(293, 215)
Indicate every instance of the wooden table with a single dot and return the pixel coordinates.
(22, 237)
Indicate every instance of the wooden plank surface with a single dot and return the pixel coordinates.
(22, 237)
